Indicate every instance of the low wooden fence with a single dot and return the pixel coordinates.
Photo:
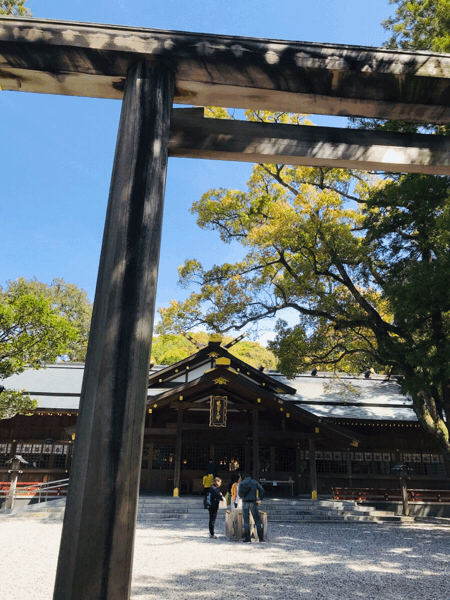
(31, 488)
(375, 494)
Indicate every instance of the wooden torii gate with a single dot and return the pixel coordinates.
(151, 70)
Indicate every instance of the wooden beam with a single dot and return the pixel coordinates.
(219, 139)
(96, 552)
(160, 431)
(288, 435)
(242, 407)
(86, 59)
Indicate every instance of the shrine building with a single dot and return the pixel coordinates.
(297, 436)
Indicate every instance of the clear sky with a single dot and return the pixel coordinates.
(56, 152)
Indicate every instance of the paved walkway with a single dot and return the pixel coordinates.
(310, 561)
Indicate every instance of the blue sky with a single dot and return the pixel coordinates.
(56, 152)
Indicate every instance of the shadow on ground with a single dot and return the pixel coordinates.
(314, 561)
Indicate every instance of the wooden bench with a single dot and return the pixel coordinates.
(276, 483)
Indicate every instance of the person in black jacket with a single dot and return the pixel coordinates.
(211, 502)
(251, 493)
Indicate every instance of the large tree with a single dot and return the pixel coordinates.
(36, 327)
(369, 282)
(364, 263)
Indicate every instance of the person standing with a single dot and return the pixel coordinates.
(236, 502)
(248, 490)
(211, 502)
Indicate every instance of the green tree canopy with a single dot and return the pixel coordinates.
(14, 8)
(70, 302)
(32, 330)
(420, 25)
(363, 262)
(416, 25)
(38, 323)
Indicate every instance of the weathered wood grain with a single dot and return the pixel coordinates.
(192, 136)
(97, 541)
(88, 59)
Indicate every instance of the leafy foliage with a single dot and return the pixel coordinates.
(362, 261)
(13, 402)
(416, 25)
(38, 323)
(14, 8)
(70, 302)
(408, 225)
(32, 331)
(420, 25)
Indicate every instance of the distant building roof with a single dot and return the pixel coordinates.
(58, 387)
(350, 397)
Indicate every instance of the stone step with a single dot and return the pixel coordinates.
(44, 514)
(166, 509)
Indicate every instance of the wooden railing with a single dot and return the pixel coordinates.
(395, 494)
(35, 488)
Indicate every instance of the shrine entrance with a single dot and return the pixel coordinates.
(215, 405)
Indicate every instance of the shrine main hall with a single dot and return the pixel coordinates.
(297, 436)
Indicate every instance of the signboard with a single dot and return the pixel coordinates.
(218, 411)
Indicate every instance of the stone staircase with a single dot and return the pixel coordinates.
(159, 509)
(52, 510)
(278, 510)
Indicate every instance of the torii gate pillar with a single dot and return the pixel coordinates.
(95, 559)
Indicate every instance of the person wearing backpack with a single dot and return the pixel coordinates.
(211, 502)
(251, 493)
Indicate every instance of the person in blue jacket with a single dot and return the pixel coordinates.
(211, 502)
(251, 493)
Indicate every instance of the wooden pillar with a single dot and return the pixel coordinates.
(10, 500)
(349, 467)
(95, 558)
(312, 469)
(298, 467)
(255, 420)
(178, 439)
(404, 492)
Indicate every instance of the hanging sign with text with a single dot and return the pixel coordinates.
(218, 411)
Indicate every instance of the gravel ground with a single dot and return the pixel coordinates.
(310, 561)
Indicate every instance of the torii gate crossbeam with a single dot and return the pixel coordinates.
(150, 70)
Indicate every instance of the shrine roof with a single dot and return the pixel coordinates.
(58, 387)
(350, 397)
